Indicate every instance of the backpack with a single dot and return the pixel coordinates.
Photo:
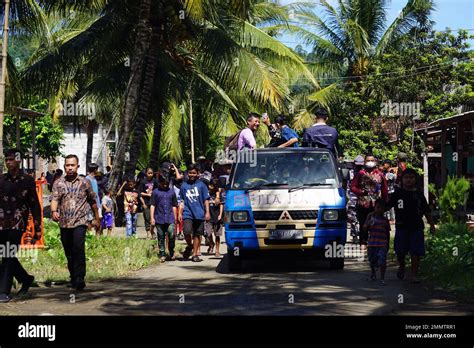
(232, 142)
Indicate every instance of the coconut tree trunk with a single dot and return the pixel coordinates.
(145, 103)
(158, 108)
(155, 147)
(132, 91)
(90, 140)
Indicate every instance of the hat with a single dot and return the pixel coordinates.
(201, 158)
(402, 156)
(359, 160)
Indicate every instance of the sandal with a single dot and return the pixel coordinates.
(210, 249)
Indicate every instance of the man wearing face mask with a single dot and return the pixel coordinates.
(369, 184)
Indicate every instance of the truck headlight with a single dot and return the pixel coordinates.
(240, 216)
(330, 215)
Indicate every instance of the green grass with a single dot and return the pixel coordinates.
(106, 257)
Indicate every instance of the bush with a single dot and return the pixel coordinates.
(449, 259)
(452, 198)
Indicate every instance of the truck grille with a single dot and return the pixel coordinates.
(267, 215)
(295, 215)
(304, 214)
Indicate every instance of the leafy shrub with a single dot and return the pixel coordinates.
(449, 258)
(452, 198)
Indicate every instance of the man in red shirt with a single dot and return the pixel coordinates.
(369, 184)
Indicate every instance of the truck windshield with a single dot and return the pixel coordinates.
(286, 169)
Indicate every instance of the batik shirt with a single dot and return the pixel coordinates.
(75, 199)
(18, 197)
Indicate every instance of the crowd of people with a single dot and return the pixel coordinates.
(381, 195)
(175, 204)
(190, 204)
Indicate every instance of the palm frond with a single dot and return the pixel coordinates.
(406, 20)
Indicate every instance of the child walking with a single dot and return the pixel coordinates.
(130, 201)
(163, 215)
(107, 215)
(378, 228)
(195, 210)
(214, 225)
(410, 206)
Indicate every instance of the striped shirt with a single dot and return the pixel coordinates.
(379, 231)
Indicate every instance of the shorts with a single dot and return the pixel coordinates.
(193, 227)
(213, 228)
(107, 220)
(409, 241)
(377, 257)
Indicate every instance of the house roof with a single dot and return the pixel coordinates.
(425, 126)
(468, 115)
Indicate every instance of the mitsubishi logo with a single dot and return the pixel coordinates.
(285, 216)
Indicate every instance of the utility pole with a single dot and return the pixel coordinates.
(6, 13)
(191, 127)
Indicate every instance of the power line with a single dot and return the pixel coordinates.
(428, 68)
(313, 24)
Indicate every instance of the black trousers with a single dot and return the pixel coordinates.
(10, 266)
(73, 240)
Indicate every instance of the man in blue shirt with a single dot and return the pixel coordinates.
(289, 136)
(321, 135)
(195, 210)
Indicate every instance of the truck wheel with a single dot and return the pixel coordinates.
(336, 263)
(234, 262)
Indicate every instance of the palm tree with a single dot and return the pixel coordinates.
(201, 49)
(348, 38)
(250, 66)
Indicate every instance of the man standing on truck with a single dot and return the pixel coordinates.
(247, 135)
(321, 135)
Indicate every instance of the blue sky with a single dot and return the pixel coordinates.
(453, 14)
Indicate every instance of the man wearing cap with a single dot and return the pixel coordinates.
(321, 135)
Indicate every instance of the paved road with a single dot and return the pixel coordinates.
(273, 286)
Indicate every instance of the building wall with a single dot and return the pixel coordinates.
(77, 144)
